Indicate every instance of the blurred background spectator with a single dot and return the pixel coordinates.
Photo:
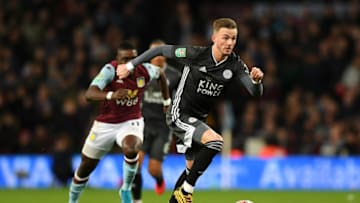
(310, 53)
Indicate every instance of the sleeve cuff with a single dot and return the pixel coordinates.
(129, 66)
(109, 95)
(167, 102)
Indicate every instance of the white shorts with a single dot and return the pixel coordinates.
(103, 136)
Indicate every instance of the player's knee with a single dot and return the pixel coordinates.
(131, 146)
(87, 165)
(154, 170)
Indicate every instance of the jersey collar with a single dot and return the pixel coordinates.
(220, 62)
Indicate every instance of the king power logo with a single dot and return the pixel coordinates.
(209, 88)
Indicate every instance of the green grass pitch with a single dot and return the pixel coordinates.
(200, 196)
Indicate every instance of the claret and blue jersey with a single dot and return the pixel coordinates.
(112, 111)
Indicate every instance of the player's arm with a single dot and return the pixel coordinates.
(181, 53)
(252, 80)
(164, 90)
(96, 92)
(156, 73)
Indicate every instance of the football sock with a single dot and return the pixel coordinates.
(202, 161)
(159, 179)
(137, 186)
(129, 170)
(75, 191)
(187, 188)
(77, 188)
(181, 178)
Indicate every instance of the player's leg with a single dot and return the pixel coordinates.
(131, 145)
(181, 179)
(155, 170)
(130, 138)
(97, 144)
(81, 176)
(158, 150)
(137, 183)
(189, 156)
(209, 144)
(213, 143)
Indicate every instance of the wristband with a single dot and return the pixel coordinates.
(167, 102)
(129, 66)
(109, 95)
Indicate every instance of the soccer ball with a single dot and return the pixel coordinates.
(244, 201)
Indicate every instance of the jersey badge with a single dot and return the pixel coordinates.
(180, 52)
(227, 74)
(140, 81)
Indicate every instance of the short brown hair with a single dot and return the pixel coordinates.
(224, 22)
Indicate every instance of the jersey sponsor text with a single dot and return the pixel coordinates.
(209, 88)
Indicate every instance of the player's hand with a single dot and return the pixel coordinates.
(121, 71)
(256, 74)
(120, 94)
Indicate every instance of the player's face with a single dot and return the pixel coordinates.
(225, 40)
(124, 56)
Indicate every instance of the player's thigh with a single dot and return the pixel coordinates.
(189, 129)
(100, 139)
(210, 135)
(160, 145)
(131, 127)
(148, 139)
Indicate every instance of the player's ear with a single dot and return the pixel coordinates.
(213, 37)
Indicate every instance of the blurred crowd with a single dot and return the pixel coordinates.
(50, 50)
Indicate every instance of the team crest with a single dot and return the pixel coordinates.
(180, 52)
(227, 74)
(92, 137)
(140, 81)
